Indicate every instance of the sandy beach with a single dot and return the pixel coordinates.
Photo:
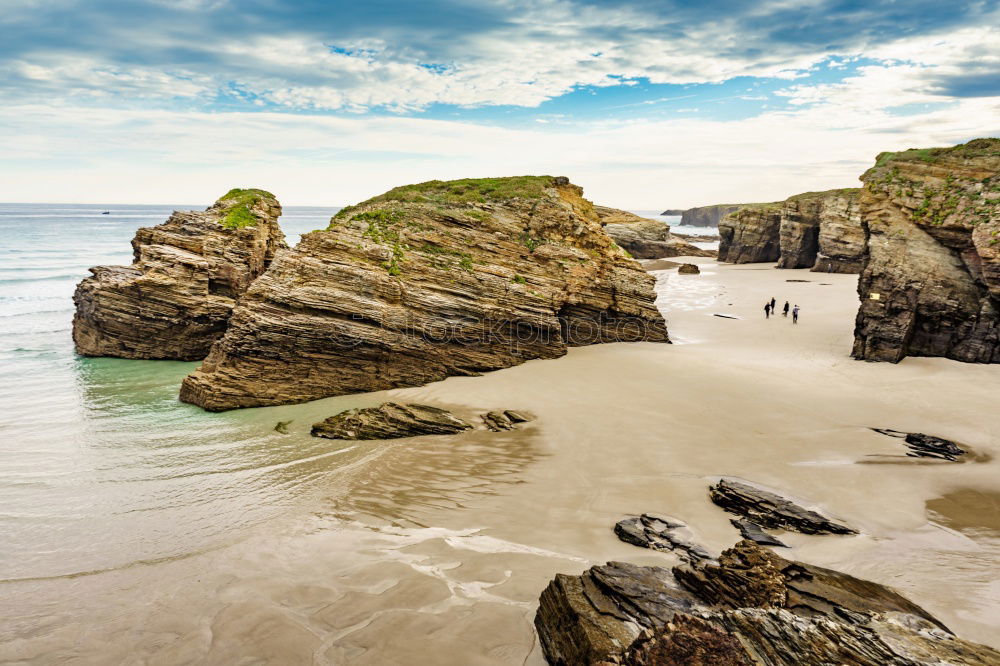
(435, 549)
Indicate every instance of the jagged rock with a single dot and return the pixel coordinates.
(926, 446)
(390, 421)
(755, 533)
(750, 607)
(656, 533)
(424, 282)
(751, 234)
(689, 269)
(588, 618)
(709, 216)
(931, 279)
(282, 427)
(828, 219)
(644, 238)
(176, 298)
(770, 510)
(497, 421)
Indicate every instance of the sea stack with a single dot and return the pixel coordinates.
(427, 281)
(708, 216)
(822, 231)
(175, 299)
(751, 234)
(931, 279)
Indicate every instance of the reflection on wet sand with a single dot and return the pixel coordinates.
(416, 476)
(968, 510)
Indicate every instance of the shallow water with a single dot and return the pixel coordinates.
(141, 530)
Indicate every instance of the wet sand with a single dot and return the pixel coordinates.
(434, 550)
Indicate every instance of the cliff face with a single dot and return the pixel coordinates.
(427, 281)
(822, 231)
(751, 234)
(644, 238)
(175, 299)
(708, 216)
(931, 279)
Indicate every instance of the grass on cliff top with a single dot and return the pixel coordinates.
(845, 191)
(466, 190)
(238, 203)
(975, 148)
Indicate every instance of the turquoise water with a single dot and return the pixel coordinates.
(100, 465)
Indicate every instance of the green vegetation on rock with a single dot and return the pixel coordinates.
(464, 191)
(237, 203)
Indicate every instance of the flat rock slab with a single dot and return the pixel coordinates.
(926, 446)
(390, 421)
(755, 533)
(770, 510)
(658, 533)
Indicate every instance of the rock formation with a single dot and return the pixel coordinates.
(175, 299)
(659, 533)
(770, 510)
(926, 446)
(751, 234)
(931, 279)
(709, 216)
(427, 281)
(644, 238)
(673, 211)
(389, 421)
(689, 269)
(507, 419)
(822, 231)
(750, 608)
(817, 230)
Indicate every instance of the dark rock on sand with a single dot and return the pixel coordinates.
(755, 533)
(656, 533)
(931, 279)
(505, 420)
(749, 607)
(424, 282)
(770, 510)
(689, 269)
(926, 446)
(176, 298)
(389, 421)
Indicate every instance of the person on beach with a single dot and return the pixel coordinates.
(795, 314)
(773, 307)
(785, 313)
(767, 310)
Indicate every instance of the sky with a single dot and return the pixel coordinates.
(647, 104)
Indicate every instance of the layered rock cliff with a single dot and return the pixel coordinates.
(175, 299)
(751, 234)
(822, 231)
(644, 238)
(931, 279)
(708, 216)
(817, 230)
(427, 281)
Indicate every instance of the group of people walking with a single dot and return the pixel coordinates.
(771, 307)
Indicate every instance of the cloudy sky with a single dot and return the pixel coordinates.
(646, 103)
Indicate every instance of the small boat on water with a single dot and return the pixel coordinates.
(107, 212)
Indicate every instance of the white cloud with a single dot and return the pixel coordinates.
(162, 156)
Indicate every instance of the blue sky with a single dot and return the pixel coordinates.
(647, 104)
